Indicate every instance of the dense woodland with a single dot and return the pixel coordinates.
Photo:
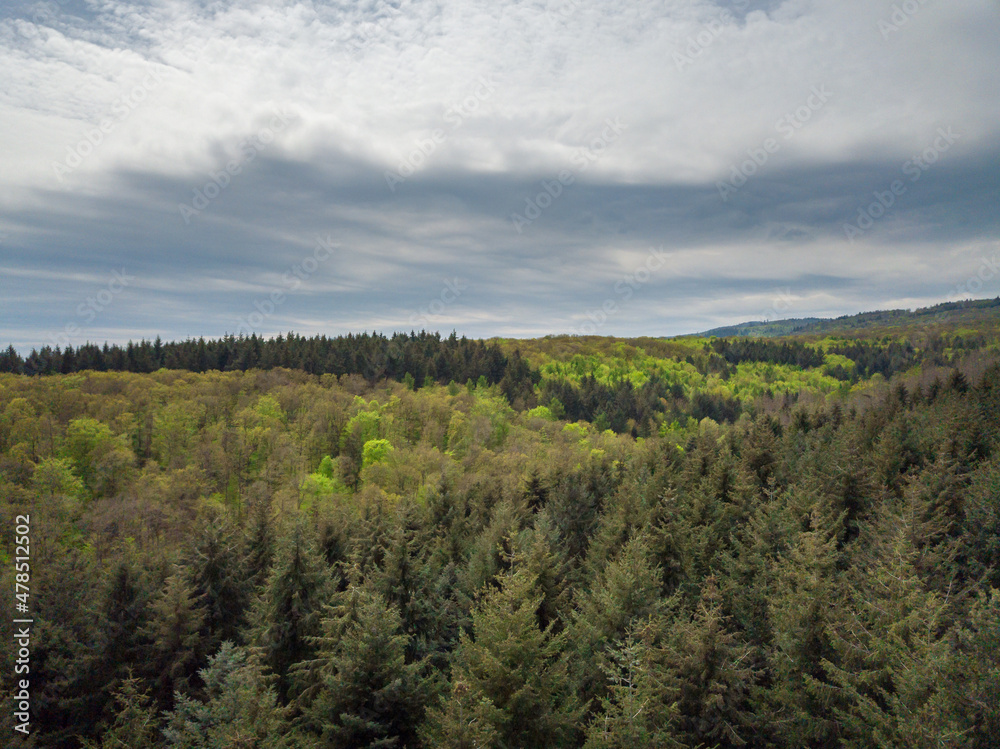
(433, 542)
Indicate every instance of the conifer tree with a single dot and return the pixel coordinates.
(892, 660)
(640, 709)
(362, 693)
(134, 724)
(463, 721)
(799, 703)
(490, 552)
(259, 541)
(980, 539)
(175, 641)
(537, 550)
(117, 649)
(936, 497)
(975, 684)
(624, 593)
(239, 709)
(710, 666)
(287, 615)
(413, 581)
(518, 668)
(218, 576)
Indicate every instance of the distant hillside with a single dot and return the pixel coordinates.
(975, 313)
(978, 313)
(757, 329)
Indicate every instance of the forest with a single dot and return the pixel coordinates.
(426, 541)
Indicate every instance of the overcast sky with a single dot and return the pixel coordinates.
(618, 167)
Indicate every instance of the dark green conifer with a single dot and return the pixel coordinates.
(362, 693)
(288, 613)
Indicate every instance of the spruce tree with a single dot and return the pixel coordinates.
(709, 663)
(363, 694)
(135, 721)
(640, 708)
(975, 686)
(122, 615)
(412, 579)
(799, 703)
(287, 615)
(239, 709)
(625, 592)
(892, 658)
(980, 538)
(174, 634)
(259, 541)
(511, 664)
(463, 721)
(218, 576)
(538, 551)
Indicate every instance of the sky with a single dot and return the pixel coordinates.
(498, 168)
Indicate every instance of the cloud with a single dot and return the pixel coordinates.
(114, 115)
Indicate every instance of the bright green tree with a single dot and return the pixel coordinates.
(101, 459)
(375, 451)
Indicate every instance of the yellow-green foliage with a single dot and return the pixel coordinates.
(365, 424)
(322, 485)
(753, 379)
(55, 476)
(485, 425)
(540, 412)
(834, 360)
(750, 380)
(375, 451)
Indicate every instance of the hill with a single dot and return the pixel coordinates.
(973, 314)
(761, 329)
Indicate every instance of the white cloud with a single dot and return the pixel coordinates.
(364, 84)
(375, 82)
